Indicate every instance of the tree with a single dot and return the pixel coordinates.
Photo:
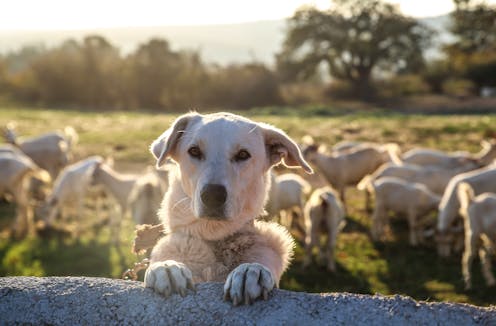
(473, 54)
(353, 38)
(154, 68)
(243, 86)
(474, 25)
(57, 75)
(101, 71)
(79, 73)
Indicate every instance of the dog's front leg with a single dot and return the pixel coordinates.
(248, 282)
(169, 277)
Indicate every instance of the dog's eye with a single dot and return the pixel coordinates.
(242, 155)
(194, 151)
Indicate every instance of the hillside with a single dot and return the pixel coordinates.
(217, 43)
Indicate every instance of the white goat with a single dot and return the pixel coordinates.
(451, 160)
(347, 145)
(287, 192)
(16, 172)
(39, 183)
(146, 196)
(349, 167)
(481, 180)
(163, 174)
(9, 148)
(70, 188)
(118, 184)
(51, 151)
(479, 215)
(324, 214)
(436, 179)
(394, 194)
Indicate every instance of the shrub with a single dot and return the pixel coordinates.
(458, 87)
(403, 85)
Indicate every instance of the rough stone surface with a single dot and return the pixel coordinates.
(97, 301)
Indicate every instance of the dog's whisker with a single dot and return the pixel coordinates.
(252, 129)
(179, 202)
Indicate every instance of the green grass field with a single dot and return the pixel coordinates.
(390, 267)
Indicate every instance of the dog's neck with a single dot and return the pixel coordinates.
(177, 215)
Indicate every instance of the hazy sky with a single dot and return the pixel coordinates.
(82, 14)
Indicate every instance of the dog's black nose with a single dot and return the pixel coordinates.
(213, 196)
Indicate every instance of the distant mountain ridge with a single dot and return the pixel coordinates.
(222, 44)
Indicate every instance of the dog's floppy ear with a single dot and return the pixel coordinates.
(281, 148)
(162, 147)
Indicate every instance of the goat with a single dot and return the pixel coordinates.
(118, 184)
(38, 182)
(50, 151)
(145, 197)
(399, 196)
(349, 167)
(70, 188)
(481, 180)
(479, 214)
(16, 172)
(287, 192)
(324, 213)
(451, 160)
(347, 145)
(436, 179)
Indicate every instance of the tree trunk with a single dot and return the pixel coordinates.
(362, 86)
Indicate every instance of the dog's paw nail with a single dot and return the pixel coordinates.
(191, 286)
(265, 294)
(247, 299)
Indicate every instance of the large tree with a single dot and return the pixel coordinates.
(78, 73)
(473, 53)
(353, 37)
(474, 25)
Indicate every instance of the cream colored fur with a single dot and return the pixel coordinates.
(479, 215)
(50, 151)
(432, 157)
(287, 193)
(434, 178)
(145, 197)
(16, 172)
(249, 256)
(324, 214)
(346, 168)
(70, 188)
(481, 180)
(394, 194)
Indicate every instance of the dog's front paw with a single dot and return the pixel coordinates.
(169, 277)
(247, 282)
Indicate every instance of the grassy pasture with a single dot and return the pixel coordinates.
(390, 267)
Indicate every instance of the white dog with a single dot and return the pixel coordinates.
(218, 190)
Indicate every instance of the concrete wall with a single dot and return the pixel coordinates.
(96, 301)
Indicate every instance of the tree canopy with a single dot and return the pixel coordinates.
(92, 73)
(473, 54)
(354, 38)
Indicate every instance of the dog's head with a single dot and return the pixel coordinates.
(223, 160)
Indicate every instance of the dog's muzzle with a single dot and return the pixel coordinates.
(213, 198)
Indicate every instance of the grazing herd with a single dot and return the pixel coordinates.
(37, 175)
(40, 176)
(460, 186)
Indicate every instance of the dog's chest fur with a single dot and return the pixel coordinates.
(230, 250)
